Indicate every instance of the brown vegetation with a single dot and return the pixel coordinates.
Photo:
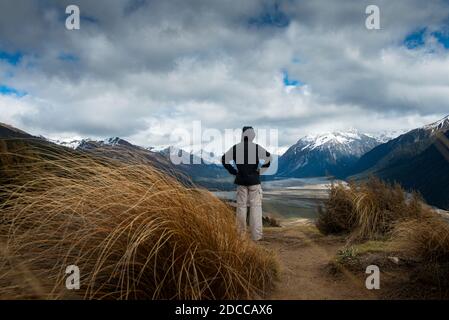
(368, 210)
(381, 221)
(134, 232)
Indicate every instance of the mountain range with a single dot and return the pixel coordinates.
(417, 159)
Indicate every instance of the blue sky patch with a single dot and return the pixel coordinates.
(442, 37)
(290, 82)
(416, 39)
(9, 91)
(11, 58)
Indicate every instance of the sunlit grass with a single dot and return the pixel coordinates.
(134, 232)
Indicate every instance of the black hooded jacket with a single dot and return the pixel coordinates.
(246, 156)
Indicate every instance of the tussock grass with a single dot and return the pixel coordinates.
(337, 217)
(425, 239)
(380, 219)
(134, 232)
(368, 210)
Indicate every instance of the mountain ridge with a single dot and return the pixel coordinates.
(403, 147)
(418, 160)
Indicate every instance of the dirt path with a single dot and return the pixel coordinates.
(304, 255)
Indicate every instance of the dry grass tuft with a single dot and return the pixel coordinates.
(134, 232)
(367, 210)
(426, 242)
(337, 216)
(383, 220)
(425, 239)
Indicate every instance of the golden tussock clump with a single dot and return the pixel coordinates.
(133, 231)
(374, 213)
(368, 210)
(425, 239)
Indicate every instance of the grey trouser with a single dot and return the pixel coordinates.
(251, 197)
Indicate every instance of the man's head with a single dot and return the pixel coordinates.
(248, 133)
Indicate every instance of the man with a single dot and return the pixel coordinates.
(250, 161)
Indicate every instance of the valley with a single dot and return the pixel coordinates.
(290, 199)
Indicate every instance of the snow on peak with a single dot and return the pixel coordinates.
(68, 143)
(76, 143)
(111, 141)
(207, 156)
(346, 138)
(343, 137)
(438, 125)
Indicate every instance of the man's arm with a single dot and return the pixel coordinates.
(226, 161)
(266, 157)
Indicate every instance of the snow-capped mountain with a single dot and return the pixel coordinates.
(76, 144)
(68, 143)
(206, 156)
(330, 153)
(352, 141)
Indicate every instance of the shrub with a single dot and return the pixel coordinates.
(425, 239)
(367, 209)
(337, 217)
(426, 242)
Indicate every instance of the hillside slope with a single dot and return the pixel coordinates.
(400, 149)
(417, 160)
(427, 173)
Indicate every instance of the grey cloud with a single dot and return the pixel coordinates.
(173, 62)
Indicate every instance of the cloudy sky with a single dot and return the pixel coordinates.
(141, 69)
